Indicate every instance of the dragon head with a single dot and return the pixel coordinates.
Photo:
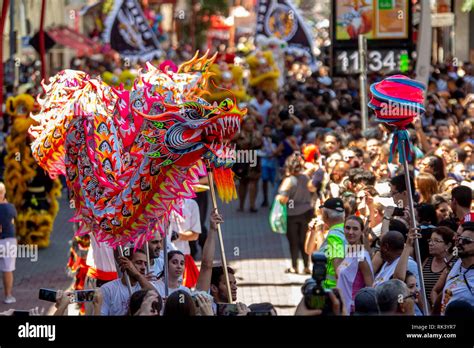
(195, 130)
(182, 126)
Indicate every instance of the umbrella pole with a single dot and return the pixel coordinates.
(413, 225)
(219, 233)
(127, 278)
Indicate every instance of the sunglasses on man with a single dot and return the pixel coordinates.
(465, 240)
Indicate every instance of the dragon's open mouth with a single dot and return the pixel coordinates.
(216, 136)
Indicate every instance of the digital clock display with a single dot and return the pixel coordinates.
(346, 62)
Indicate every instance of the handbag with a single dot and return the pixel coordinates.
(278, 217)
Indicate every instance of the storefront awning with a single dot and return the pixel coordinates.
(70, 38)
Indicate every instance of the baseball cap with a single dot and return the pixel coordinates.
(365, 302)
(334, 204)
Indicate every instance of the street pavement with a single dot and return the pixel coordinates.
(48, 271)
(258, 256)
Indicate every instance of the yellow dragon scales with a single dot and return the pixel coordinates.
(32, 193)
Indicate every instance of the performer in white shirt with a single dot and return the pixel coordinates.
(101, 262)
(183, 229)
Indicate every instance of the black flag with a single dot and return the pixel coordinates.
(128, 32)
(279, 18)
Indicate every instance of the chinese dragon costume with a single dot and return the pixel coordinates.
(264, 72)
(29, 188)
(226, 82)
(129, 157)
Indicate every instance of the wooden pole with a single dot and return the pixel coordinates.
(2, 27)
(41, 41)
(165, 259)
(219, 233)
(413, 225)
(364, 113)
(127, 278)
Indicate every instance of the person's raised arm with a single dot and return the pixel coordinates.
(127, 266)
(205, 273)
(420, 134)
(387, 216)
(402, 265)
(310, 243)
(63, 299)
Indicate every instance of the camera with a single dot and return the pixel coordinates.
(84, 296)
(315, 296)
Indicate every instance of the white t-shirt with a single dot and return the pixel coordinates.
(262, 109)
(157, 266)
(116, 297)
(377, 229)
(160, 287)
(456, 287)
(100, 256)
(387, 270)
(190, 221)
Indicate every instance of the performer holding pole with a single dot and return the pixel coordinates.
(219, 232)
(396, 101)
(127, 278)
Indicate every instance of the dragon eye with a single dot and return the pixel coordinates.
(137, 104)
(226, 104)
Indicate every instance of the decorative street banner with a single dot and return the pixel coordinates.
(376, 19)
(385, 24)
(280, 19)
(128, 32)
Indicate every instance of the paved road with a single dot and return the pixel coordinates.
(49, 270)
(259, 256)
